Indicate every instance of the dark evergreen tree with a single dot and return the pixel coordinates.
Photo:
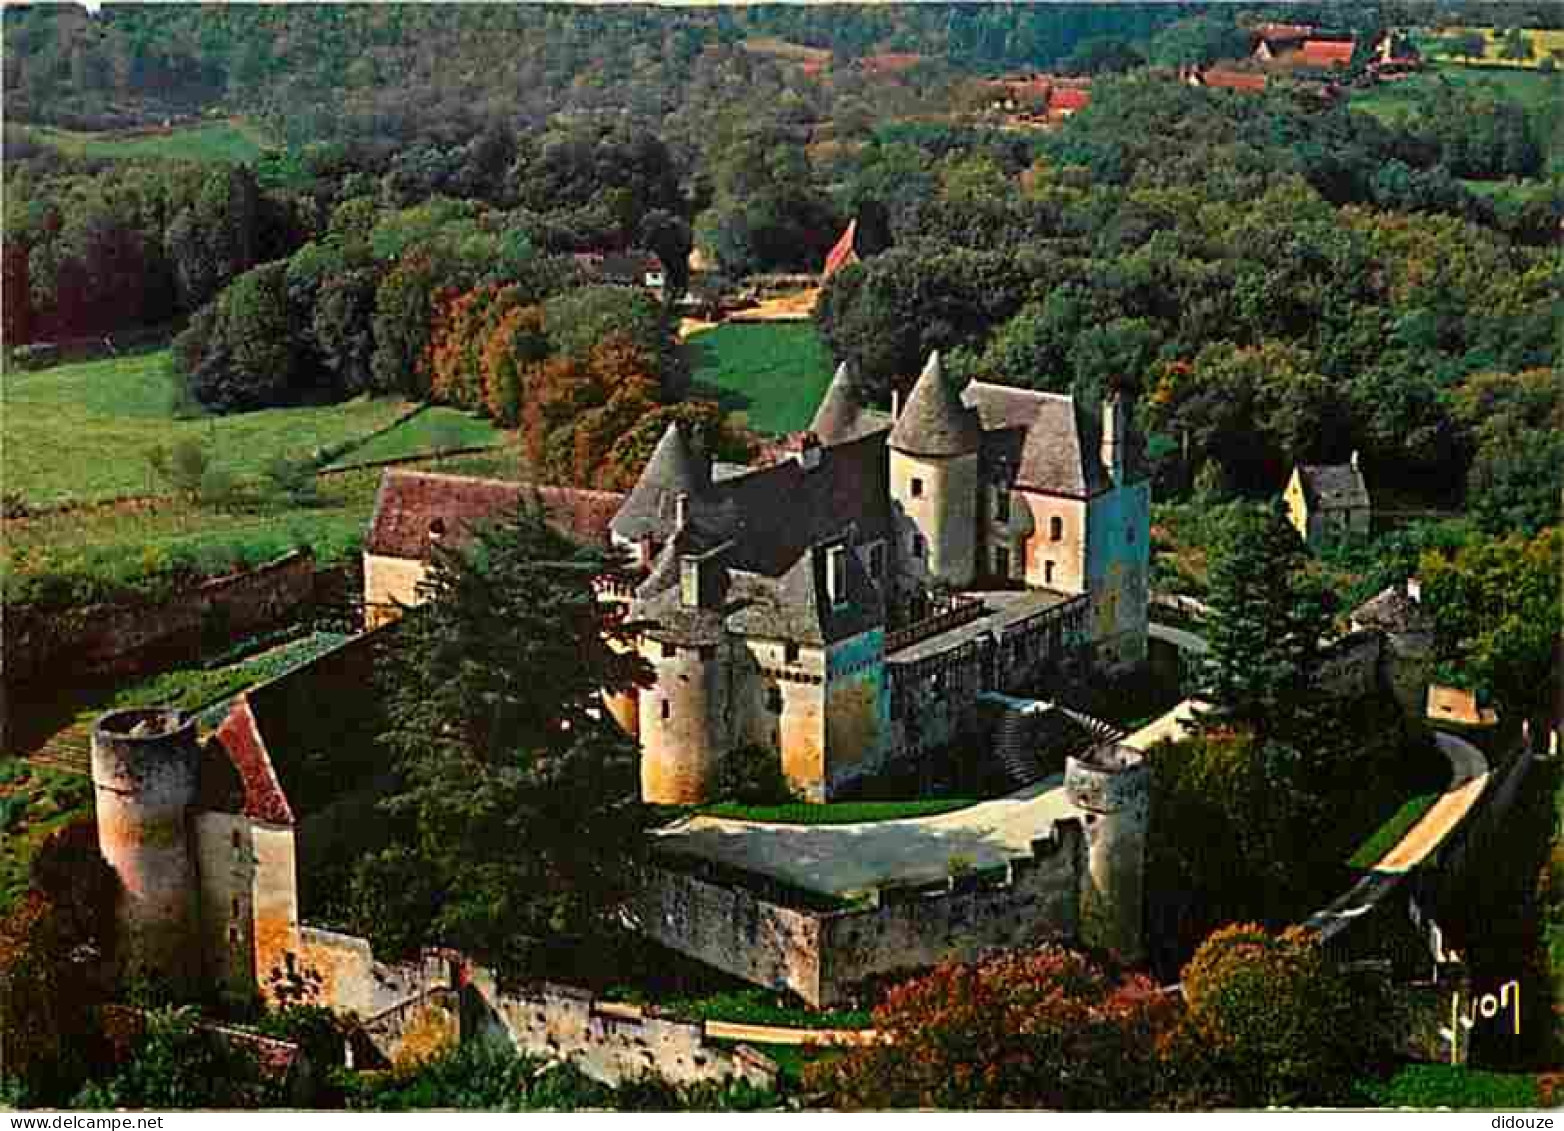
(1264, 629)
(519, 793)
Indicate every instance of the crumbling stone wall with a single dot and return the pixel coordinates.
(1350, 666)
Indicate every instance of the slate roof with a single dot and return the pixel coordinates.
(1393, 611)
(1333, 486)
(1039, 436)
(674, 469)
(934, 421)
(842, 416)
(410, 503)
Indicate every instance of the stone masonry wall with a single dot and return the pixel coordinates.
(122, 639)
(822, 955)
(609, 1042)
(1350, 666)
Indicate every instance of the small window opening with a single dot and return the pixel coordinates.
(917, 488)
(667, 710)
(1056, 529)
(790, 652)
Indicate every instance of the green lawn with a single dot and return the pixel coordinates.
(774, 373)
(435, 429)
(1532, 89)
(836, 812)
(1388, 835)
(231, 141)
(34, 802)
(750, 1006)
(83, 431)
(1446, 1085)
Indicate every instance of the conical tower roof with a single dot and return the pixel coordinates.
(934, 421)
(673, 470)
(840, 413)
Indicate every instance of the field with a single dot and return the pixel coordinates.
(1388, 101)
(774, 373)
(231, 140)
(783, 49)
(435, 429)
(83, 431)
(1543, 44)
(836, 812)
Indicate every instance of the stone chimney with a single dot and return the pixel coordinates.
(1115, 443)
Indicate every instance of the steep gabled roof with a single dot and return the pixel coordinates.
(1333, 485)
(673, 470)
(411, 504)
(934, 421)
(1039, 436)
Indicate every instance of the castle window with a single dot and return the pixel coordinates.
(917, 487)
(233, 908)
(1048, 573)
(918, 546)
(667, 710)
(877, 560)
(1001, 504)
(669, 650)
(1056, 529)
(790, 653)
(774, 700)
(836, 574)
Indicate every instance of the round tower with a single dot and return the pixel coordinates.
(680, 724)
(145, 772)
(1111, 784)
(934, 482)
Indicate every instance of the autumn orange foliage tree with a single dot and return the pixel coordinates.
(1040, 1028)
(1271, 1020)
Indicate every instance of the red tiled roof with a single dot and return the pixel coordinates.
(889, 62)
(843, 253)
(1233, 80)
(239, 735)
(1067, 98)
(1283, 32)
(412, 503)
(1327, 52)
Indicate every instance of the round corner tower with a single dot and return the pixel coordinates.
(145, 774)
(680, 723)
(1111, 785)
(934, 482)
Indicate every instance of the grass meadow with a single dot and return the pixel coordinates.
(230, 140)
(773, 372)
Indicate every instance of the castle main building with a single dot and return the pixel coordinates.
(846, 607)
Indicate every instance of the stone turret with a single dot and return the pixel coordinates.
(1112, 785)
(145, 774)
(840, 415)
(934, 482)
(651, 511)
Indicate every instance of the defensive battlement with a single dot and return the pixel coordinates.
(1108, 778)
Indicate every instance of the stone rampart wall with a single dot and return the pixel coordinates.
(822, 955)
(123, 639)
(609, 1042)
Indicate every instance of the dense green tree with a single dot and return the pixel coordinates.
(1498, 618)
(1198, 41)
(1264, 629)
(1103, 54)
(668, 235)
(404, 311)
(1517, 45)
(343, 328)
(519, 795)
(249, 355)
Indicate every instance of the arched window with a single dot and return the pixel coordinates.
(1056, 529)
